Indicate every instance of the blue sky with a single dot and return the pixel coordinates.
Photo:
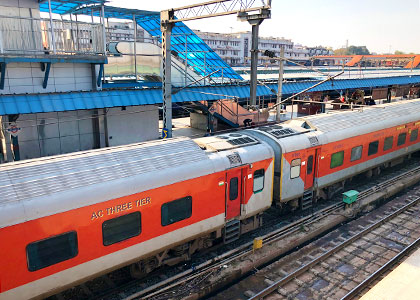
(381, 25)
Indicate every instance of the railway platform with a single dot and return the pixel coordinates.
(401, 283)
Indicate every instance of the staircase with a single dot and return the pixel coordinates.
(306, 201)
(232, 231)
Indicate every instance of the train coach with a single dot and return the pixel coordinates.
(68, 218)
(316, 155)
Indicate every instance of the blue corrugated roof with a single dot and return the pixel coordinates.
(65, 6)
(37, 103)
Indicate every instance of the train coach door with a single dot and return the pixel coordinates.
(233, 193)
(311, 165)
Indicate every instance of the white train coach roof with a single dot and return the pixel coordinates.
(369, 119)
(34, 178)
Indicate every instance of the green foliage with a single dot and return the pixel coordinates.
(397, 52)
(352, 50)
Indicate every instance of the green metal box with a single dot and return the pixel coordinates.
(350, 196)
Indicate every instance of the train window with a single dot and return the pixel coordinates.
(373, 148)
(401, 138)
(337, 159)
(176, 210)
(233, 188)
(356, 153)
(310, 165)
(121, 228)
(48, 252)
(258, 180)
(414, 135)
(389, 141)
(295, 168)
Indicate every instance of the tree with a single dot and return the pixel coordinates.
(352, 50)
(341, 51)
(398, 52)
(358, 50)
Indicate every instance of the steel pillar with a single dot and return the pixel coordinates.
(166, 29)
(254, 60)
(135, 46)
(280, 84)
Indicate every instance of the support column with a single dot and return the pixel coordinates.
(254, 60)
(280, 84)
(135, 46)
(166, 29)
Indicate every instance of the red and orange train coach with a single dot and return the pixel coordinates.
(73, 217)
(69, 218)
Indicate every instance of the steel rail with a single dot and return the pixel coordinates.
(235, 253)
(322, 257)
(397, 258)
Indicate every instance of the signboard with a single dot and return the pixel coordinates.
(13, 129)
(164, 133)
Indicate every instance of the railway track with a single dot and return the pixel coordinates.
(344, 263)
(178, 283)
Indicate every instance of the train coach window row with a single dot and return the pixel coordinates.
(121, 228)
(337, 159)
(402, 137)
(51, 251)
(176, 210)
(295, 168)
(388, 143)
(258, 181)
(373, 148)
(414, 135)
(357, 152)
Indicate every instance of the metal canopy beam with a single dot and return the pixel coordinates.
(216, 8)
(46, 75)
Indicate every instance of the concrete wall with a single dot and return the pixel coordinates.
(16, 31)
(23, 78)
(132, 125)
(47, 134)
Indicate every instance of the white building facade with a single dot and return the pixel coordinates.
(235, 48)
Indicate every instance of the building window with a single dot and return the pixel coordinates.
(295, 168)
(233, 188)
(401, 138)
(337, 159)
(310, 166)
(388, 143)
(258, 180)
(121, 228)
(373, 148)
(356, 153)
(176, 210)
(414, 135)
(48, 252)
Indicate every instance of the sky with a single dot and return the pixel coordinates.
(381, 25)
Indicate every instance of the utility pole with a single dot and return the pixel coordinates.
(280, 84)
(166, 29)
(255, 20)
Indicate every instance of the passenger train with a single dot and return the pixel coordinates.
(70, 218)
